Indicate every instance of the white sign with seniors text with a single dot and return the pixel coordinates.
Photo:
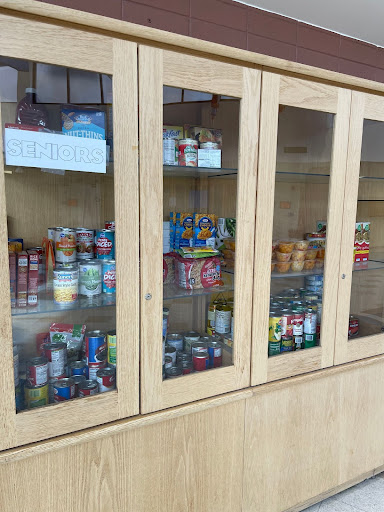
(54, 151)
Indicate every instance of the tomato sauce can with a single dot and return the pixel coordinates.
(79, 379)
(35, 396)
(95, 347)
(215, 353)
(109, 276)
(85, 241)
(56, 353)
(37, 371)
(78, 368)
(63, 389)
(65, 245)
(111, 345)
(105, 244)
(353, 326)
(200, 361)
(188, 153)
(106, 379)
(88, 388)
(110, 224)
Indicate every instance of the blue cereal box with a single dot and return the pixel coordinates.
(205, 229)
(83, 122)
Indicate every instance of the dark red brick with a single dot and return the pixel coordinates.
(221, 13)
(349, 67)
(358, 51)
(271, 47)
(111, 9)
(318, 39)
(156, 18)
(270, 25)
(177, 6)
(218, 34)
(317, 59)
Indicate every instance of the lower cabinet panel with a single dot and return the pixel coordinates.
(291, 443)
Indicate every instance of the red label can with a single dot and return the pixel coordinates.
(287, 323)
(37, 371)
(298, 323)
(110, 224)
(353, 326)
(200, 361)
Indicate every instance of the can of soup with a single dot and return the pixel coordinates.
(109, 276)
(95, 347)
(35, 396)
(215, 354)
(90, 278)
(85, 241)
(37, 371)
(105, 244)
(56, 353)
(106, 379)
(65, 245)
(111, 345)
(63, 389)
(78, 368)
(88, 388)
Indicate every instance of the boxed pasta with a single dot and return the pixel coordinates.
(198, 273)
(33, 277)
(205, 228)
(183, 230)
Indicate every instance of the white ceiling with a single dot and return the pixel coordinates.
(361, 19)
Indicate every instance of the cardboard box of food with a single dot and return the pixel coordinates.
(12, 277)
(22, 279)
(33, 278)
(173, 132)
(83, 122)
(202, 134)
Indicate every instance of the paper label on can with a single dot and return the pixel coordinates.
(56, 365)
(38, 375)
(104, 245)
(90, 279)
(223, 321)
(109, 278)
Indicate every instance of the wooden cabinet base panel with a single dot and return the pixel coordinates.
(273, 448)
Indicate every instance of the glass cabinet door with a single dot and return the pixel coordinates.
(361, 310)
(69, 200)
(303, 143)
(198, 150)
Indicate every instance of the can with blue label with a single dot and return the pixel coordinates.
(78, 368)
(109, 276)
(64, 389)
(95, 347)
(215, 354)
(105, 244)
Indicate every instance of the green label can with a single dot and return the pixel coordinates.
(309, 340)
(275, 322)
(111, 341)
(274, 348)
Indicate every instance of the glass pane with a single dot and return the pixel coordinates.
(200, 147)
(367, 294)
(59, 188)
(304, 149)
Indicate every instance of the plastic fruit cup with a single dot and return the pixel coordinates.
(309, 264)
(319, 263)
(298, 255)
(283, 266)
(286, 246)
(321, 253)
(297, 266)
(311, 254)
(283, 256)
(301, 245)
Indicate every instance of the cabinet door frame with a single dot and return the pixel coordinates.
(63, 46)
(162, 67)
(364, 106)
(285, 90)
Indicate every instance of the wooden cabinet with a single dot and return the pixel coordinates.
(34, 199)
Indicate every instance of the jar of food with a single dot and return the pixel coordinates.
(283, 256)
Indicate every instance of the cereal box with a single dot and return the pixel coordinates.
(173, 132)
(205, 228)
(206, 135)
(15, 244)
(184, 230)
(83, 122)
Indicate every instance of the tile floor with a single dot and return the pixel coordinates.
(368, 496)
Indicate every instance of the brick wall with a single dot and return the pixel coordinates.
(233, 24)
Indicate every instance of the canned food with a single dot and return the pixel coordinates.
(298, 342)
(111, 345)
(37, 371)
(106, 379)
(199, 347)
(223, 317)
(188, 152)
(110, 224)
(78, 368)
(35, 396)
(353, 329)
(274, 348)
(65, 285)
(310, 320)
(215, 354)
(176, 340)
(63, 389)
(286, 323)
(298, 323)
(51, 381)
(170, 151)
(309, 340)
(94, 368)
(212, 317)
(183, 356)
(189, 339)
(109, 276)
(200, 361)
(90, 278)
(168, 362)
(172, 373)
(85, 242)
(287, 344)
(209, 145)
(95, 347)
(171, 352)
(79, 379)
(186, 367)
(275, 322)
(56, 353)
(88, 388)
(105, 244)
(65, 245)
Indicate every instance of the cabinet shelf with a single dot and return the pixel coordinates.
(172, 291)
(197, 172)
(46, 304)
